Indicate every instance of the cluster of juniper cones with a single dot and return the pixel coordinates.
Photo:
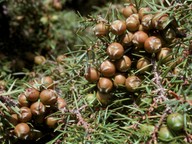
(133, 41)
(36, 108)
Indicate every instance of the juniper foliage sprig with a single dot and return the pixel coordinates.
(131, 117)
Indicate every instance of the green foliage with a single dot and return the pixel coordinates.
(131, 117)
(43, 24)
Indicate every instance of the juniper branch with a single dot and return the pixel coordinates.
(80, 118)
(7, 100)
(161, 91)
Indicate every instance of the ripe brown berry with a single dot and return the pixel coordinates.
(92, 75)
(123, 64)
(139, 38)
(164, 55)
(119, 80)
(107, 68)
(132, 22)
(115, 51)
(153, 44)
(25, 114)
(127, 39)
(22, 99)
(32, 94)
(143, 11)
(103, 98)
(37, 108)
(14, 119)
(61, 103)
(39, 60)
(105, 85)
(118, 27)
(100, 29)
(129, 10)
(132, 83)
(22, 131)
(143, 65)
(160, 21)
(47, 82)
(51, 122)
(48, 97)
(146, 22)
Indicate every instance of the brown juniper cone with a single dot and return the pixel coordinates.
(22, 99)
(123, 64)
(61, 103)
(146, 22)
(107, 68)
(104, 85)
(132, 83)
(37, 108)
(92, 75)
(127, 39)
(152, 44)
(133, 23)
(51, 122)
(115, 51)
(48, 97)
(119, 80)
(143, 65)
(143, 11)
(14, 119)
(159, 21)
(101, 29)
(31, 94)
(129, 10)
(165, 55)
(22, 131)
(47, 82)
(118, 27)
(25, 114)
(139, 38)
